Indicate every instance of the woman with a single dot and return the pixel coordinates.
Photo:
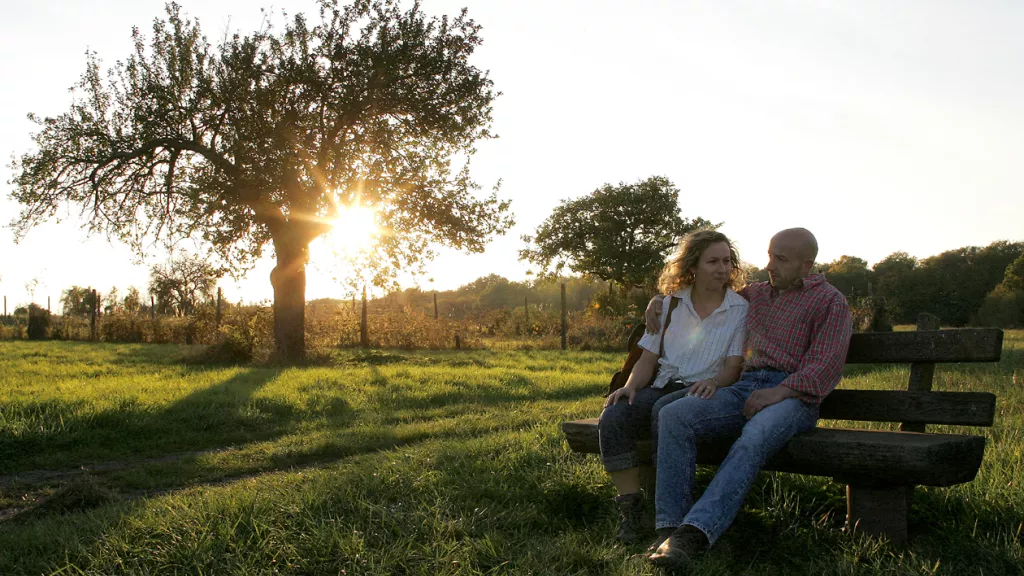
(700, 351)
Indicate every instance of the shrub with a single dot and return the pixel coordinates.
(38, 324)
(1002, 308)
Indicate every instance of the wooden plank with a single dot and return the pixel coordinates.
(862, 457)
(918, 408)
(960, 345)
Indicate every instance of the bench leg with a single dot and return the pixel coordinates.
(878, 510)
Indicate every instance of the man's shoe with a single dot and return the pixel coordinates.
(630, 517)
(662, 535)
(677, 552)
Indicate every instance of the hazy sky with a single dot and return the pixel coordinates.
(879, 125)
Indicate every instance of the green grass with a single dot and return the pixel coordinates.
(412, 463)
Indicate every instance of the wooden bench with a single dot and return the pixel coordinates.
(880, 467)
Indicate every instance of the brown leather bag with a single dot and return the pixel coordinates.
(620, 378)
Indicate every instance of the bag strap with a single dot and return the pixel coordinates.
(673, 302)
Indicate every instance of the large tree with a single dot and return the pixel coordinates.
(262, 139)
(616, 233)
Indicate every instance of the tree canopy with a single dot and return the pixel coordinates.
(263, 139)
(618, 233)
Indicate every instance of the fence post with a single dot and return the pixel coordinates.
(152, 308)
(526, 309)
(220, 298)
(364, 335)
(458, 342)
(435, 305)
(92, 317)
(564, 319)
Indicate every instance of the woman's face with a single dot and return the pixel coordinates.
(715, 267)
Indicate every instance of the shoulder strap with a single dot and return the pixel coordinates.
(673, 302)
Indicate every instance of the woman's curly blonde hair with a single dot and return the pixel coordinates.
(678, 272)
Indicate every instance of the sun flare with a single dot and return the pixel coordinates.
(354, 230)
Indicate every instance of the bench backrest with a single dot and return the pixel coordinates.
(918, 405)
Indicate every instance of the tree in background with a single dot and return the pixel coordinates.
(132, 301)
(112, 302)
(894, 282)
(954, 284)
(618, 233)
(77, 301)
(850, 275)
(1004, 306)
(182, 284)
(266, 137)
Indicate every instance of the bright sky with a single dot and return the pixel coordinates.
(879, 125)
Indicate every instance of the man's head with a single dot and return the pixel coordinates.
(791, 255)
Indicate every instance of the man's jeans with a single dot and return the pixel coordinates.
(622, 424)
(684, 421)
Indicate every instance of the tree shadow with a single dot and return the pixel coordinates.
(213, 416)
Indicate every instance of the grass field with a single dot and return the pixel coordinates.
(122, 459)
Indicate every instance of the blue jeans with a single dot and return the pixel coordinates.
(684, 421)
(622, 424)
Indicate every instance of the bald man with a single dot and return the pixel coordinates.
(798, 332)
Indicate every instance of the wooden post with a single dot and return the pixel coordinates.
(458, 342)
(220, 298)
(565, 322)
(435, 305)
(152, 307)
(47, 304)
(878, 511)
(364, 335)
(92, 317)
(526, 308)
(921, 373)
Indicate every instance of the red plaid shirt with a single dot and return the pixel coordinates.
(804, 330)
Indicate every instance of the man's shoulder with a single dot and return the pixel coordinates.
(755, 289)
(732, 298)
(826, 291)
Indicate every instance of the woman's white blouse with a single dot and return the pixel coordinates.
(695, 349)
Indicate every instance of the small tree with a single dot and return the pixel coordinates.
(182, 284)
(132, 301)
(616, 233)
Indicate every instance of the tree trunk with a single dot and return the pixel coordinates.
(289, 281)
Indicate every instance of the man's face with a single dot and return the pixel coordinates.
(787, 261)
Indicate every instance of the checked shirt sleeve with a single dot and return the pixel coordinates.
(822, 365)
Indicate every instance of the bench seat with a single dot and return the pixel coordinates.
(852, 456)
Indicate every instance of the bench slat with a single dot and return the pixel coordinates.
(954, 408)
(960, 345)
(861, 456)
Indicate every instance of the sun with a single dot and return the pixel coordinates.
(353, 231)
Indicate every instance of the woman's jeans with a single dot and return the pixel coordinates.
(622, 424)
(683, 422)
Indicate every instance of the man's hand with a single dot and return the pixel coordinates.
(703, 389)
(761, 399)
(652, 317)
(627, 391)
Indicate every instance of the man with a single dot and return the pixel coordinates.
(798, 333)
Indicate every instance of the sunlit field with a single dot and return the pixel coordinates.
(126, 459)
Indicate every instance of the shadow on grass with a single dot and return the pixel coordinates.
(218, 415)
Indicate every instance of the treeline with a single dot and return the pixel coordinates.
(969, 285)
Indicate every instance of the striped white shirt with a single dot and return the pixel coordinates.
(695, 349)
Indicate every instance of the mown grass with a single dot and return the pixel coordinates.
(414, 463)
